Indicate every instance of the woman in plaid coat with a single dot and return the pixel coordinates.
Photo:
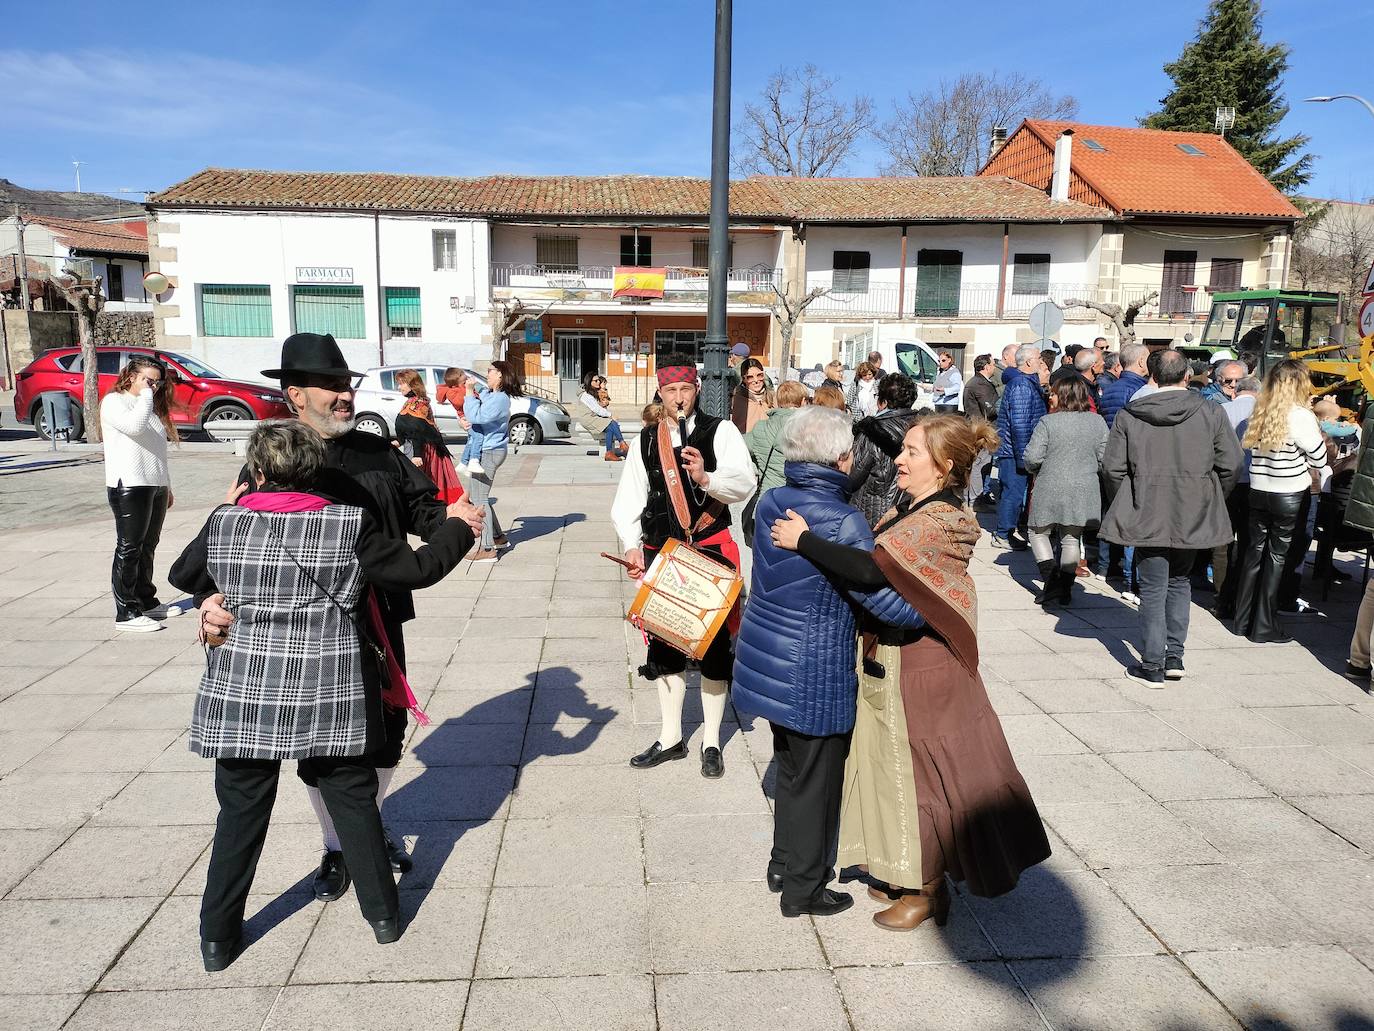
(301, 675)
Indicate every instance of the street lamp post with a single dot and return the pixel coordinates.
(714, 401)
(1342, 96)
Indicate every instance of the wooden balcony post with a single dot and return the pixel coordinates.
(1002, 269)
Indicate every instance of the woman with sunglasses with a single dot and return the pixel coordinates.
(135, 424)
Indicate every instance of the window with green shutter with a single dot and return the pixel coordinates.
(403, 311)
(235, 310)
(337, 310)
(937, 281)
(849, 273)
(1031, 274)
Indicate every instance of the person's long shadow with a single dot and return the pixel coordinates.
(529, 528)
(472, 764)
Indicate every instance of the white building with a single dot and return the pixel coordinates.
(115, 250)
(404, 268)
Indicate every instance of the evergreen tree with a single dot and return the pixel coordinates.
(1229, 65)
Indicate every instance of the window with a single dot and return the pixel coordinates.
(69, 362)
(937, 281)
(1225, 275)
(403, 311)
(679, 341)
(701, 253)
(629, 255)
(1179, 269)
(556, 253)
(850, 275)
(1093, 145)
(235, 311)
(1031, 274)
(337, 310)
(107, 362)
(445, 248)
(114, 282)
(853, 345)
(1191, 151)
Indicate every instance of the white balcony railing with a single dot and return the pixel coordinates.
(597, 279)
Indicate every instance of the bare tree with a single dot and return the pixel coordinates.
(87, 301)
(1333, 247)
(799, 127)
(945, 130)
(1309, 266)
(1123, 316)
(510, 315)
(788, 306)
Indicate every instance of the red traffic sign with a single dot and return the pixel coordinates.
(1367, 318)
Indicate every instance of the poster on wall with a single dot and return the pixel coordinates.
(644, 347)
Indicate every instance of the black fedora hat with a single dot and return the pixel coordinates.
(311, 354)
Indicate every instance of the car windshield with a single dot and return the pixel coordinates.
(195, 368)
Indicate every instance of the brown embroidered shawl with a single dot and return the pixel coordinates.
(925, 556)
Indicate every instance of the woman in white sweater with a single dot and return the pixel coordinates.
(135, 422)
(1287, 462)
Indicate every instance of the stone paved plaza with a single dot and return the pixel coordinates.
(1212, 841)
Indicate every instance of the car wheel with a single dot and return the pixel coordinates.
(524, 430)
(227, 413)
(40, 423)
(373, 424)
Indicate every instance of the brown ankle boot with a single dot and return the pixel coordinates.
(914, 908)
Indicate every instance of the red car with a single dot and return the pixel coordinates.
(203, 396)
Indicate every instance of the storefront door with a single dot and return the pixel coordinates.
(577, 352)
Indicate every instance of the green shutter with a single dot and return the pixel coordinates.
(236, 311)
(938, 276)
(403, 307)
(337, 310)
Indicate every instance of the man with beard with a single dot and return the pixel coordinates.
(368, 472)
(717, 472)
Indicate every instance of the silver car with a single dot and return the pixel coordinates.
(378, 402)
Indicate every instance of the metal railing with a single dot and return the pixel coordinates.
(516, 275)
(1173, 302)
(968, 301)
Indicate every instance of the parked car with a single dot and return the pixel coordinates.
(378, 402)
(203, 397)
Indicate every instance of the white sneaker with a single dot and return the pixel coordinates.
(1130, 599)
(138, 625)
(475, 467)
(167, 611)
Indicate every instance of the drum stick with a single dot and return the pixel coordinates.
(616, 559)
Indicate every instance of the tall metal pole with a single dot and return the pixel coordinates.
(22, 261)
(713, 400)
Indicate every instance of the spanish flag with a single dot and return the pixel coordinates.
(638, 282)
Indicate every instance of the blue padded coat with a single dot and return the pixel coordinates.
(1023, 405)
(796, 653)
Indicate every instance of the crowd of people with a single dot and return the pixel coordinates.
(859, 638)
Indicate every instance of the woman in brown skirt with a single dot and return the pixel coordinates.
(930, 785)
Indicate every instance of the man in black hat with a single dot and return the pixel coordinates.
(366, 471)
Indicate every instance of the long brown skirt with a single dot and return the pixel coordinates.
(978, 822)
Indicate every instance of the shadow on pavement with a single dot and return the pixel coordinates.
(421, 803)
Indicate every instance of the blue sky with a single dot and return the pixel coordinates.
(585, 87)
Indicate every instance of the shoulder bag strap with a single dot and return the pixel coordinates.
(672, 477)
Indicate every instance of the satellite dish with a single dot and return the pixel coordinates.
(1046, 318)
(156, 283)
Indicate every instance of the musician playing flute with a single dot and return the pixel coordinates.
(715, 471)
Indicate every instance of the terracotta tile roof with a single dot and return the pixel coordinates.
(9, 274)
(761, 198)
(1146, 171)
(129, 238)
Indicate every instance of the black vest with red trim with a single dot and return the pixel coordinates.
(657, 522)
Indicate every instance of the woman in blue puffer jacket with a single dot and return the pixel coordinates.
(795, 657)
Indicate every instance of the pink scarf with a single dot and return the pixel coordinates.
(397, 693)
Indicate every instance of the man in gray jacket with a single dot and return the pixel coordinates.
(1171, 459)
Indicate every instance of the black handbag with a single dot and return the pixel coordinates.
(746, 520)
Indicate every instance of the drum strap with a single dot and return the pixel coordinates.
(672, 477)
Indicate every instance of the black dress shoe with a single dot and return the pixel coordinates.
(830, 903)
(656, 753)
(1355, 672)
(216, 955)
(386, 930)
(712, 763)
(400, 858)
(774, 882)
(332, 880)
(1279, 638)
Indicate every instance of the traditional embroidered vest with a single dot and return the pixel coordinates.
(657, 522)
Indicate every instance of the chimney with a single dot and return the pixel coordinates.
(1063, 158)
(999, 137)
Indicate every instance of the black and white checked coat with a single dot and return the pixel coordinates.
(292, 680)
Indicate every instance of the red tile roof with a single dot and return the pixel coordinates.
(129, 238)
(760, 198)
(1144, 171)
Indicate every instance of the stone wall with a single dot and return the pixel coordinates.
(131, 328)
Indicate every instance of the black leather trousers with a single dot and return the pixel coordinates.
(139, 513)
(1271, 523)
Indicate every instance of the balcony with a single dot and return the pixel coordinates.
(753, 286)
(1173, 303)
(967, 301)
